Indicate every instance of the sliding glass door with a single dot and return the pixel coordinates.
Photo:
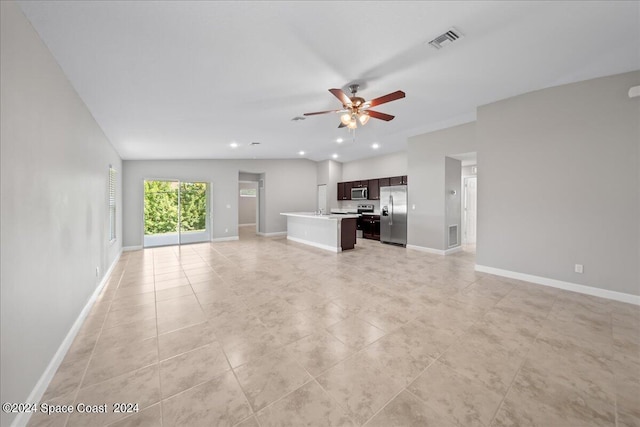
(192, 219)
(175, 213)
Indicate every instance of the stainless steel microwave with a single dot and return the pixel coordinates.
(359, 193)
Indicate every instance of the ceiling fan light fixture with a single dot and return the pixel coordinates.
(345, 119)
(352, 124)
(363, 118)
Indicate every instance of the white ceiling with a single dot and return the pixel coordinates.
(179, 80)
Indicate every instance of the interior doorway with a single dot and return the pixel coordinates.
(176, 212)
(469, 214)
(250, 204)
(247, 206)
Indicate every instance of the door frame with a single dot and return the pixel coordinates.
(464, 208)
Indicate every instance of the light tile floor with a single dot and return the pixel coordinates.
(264, 332)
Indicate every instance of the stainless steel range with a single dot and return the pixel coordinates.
(364, 208)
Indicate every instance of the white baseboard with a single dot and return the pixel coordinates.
(568, 286)
(131, 248)
(247, 224)
(41, 386)
(435, 251)
(277, 233)
(225, 239)
(453, 250)
(314, 244)
(425, 249)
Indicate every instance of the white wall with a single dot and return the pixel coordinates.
(452, 202)
(247, 205)
(558, 183)
(289, 186)
(426, 169)
(54, 214)
(330, 173)
(394, 164)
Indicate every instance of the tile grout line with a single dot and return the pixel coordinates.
(244, 394)
(524, 360)
(155, 297)
(413, 379)
(84, 374)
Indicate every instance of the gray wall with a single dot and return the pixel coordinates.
(330, 173)
(247, 205)
(558, 183)
(289, 186)
(452, 202)
(394, 164)
(426, 170)
(54, 215)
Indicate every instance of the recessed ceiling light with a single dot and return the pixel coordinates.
(375, 146)
(335, 156)
(339, 140)
(301, 153)
(234, 145)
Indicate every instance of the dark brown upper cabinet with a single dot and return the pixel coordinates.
(395, 180)
(373, 191)
(347, 190)
(373, 186)
(341, 195)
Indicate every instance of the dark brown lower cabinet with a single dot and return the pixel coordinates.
(348, 233)
(371, 227)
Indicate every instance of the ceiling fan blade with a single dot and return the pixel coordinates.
(338, 93)
(342, 125)
(386, 98)
(381, 116)
(321, 112)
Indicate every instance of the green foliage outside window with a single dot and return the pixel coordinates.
(161, 206)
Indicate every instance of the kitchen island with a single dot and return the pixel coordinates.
(333, 232)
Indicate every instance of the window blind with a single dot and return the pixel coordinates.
(112, 204)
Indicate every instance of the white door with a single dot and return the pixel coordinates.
(322, 198)
(470, 199)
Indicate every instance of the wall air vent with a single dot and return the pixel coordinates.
(453, 235)
(449, 37)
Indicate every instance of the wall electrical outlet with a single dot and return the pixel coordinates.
(226, 230)
(578, 268)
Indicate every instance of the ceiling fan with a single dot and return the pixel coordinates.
(355, 109)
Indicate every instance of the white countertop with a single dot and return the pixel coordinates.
(315, 216)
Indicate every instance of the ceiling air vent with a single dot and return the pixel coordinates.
(450, 36)
(295, 119)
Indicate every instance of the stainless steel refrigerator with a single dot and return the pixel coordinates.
(393, 214)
